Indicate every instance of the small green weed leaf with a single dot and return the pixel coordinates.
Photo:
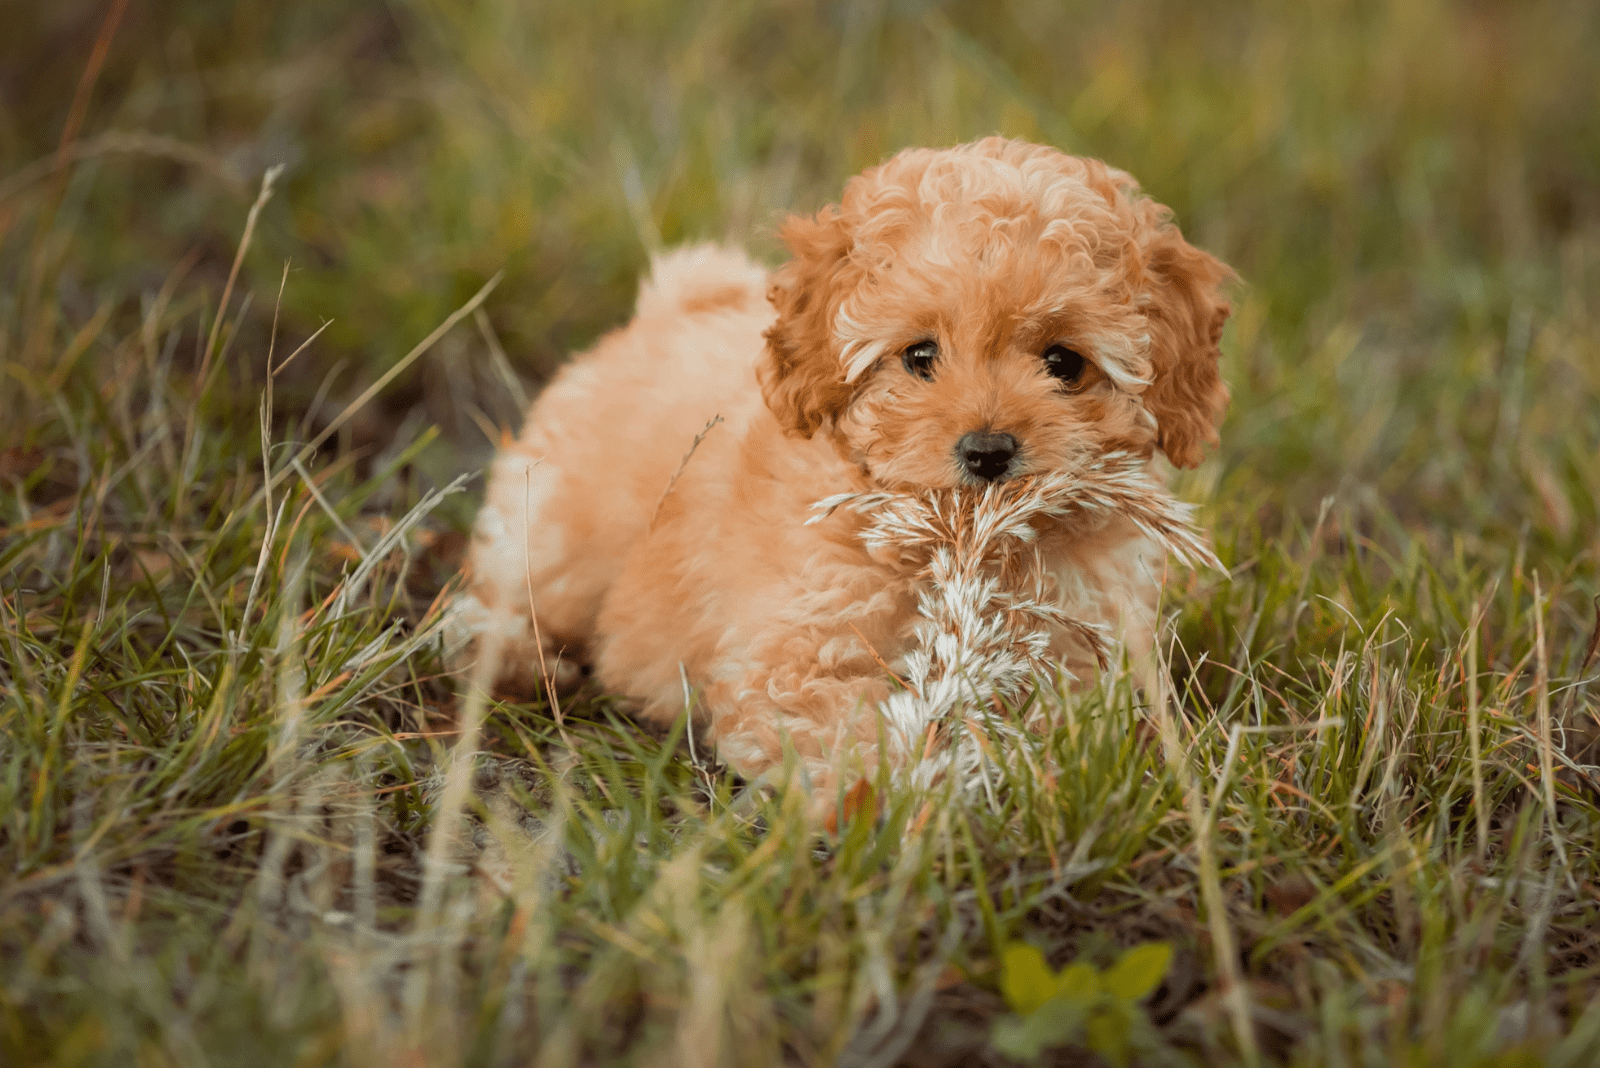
(1078, 982)
(1057, 1022)
(1012, 1036)
(1138, 971)
(1025, 979)
(1108, 1034)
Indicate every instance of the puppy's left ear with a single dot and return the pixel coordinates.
(1186, 313)
(802, 376)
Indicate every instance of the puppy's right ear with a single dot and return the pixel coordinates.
(802, 376)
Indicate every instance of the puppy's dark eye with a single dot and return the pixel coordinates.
(919, 358)
(1064, 364)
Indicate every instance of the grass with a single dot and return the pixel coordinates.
(1365, 818)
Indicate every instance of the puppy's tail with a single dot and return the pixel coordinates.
(702, 278)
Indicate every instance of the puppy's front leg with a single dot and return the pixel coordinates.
(800, 660)
(831, 722)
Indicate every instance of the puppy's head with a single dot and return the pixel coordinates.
(997, 309)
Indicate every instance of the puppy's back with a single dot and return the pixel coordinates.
(568, 499)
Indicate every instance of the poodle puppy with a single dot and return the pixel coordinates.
(961, 317)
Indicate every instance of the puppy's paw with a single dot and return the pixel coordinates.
(523, 671)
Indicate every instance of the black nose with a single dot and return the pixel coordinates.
(985, 454)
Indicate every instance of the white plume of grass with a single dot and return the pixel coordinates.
(987, 607)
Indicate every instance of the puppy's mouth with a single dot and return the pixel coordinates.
(987, 455)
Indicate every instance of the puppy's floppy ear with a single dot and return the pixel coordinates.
(1186, 313)
(802, 376)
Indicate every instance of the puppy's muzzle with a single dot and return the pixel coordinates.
(986, 455)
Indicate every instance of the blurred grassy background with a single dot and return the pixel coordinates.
(1410, 190)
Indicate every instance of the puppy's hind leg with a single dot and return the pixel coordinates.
(518, 587)
(529, 663)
